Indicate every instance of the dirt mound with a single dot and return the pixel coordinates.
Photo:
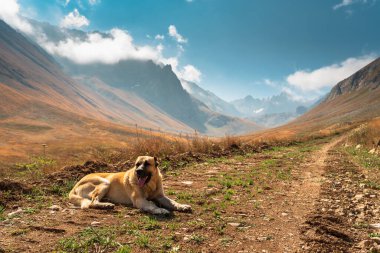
(75, 172)
(326, 233)
(347, 205)
(11, 191)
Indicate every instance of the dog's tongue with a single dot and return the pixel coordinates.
(141, 181)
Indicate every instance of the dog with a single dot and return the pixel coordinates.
(140, 186)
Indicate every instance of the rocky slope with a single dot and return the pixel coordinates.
(367, 78)
(212, 101)
(30, 77)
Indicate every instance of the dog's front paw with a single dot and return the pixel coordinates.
(108, 206)
(184, 208)
(159, 211)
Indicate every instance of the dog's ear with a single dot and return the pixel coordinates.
(155, 162)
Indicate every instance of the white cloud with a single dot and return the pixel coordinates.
(9, 12)
(187, 73)
(74, 20)
(159, 37)
(117, 46)
(270, 83)
(174, 34)
(191, 73)
(66, 3)
(345, 3)
(328, 76)
(111, 48)
(93, 2)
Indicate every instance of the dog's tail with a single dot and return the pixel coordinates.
(78, 200)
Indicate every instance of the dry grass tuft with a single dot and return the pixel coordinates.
(367, 134)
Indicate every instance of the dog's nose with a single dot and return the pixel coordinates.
(140, 171)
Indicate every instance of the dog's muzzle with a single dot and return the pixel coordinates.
(143, 177)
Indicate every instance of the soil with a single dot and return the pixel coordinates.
(308, 197)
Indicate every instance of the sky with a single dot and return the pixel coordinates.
(232, 48)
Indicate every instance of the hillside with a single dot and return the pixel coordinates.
(32, 74)
(41, 104)
(350, 102)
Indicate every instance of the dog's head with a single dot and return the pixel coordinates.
(145, 168)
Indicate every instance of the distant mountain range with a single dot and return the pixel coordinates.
(214, 102)
(268, 112)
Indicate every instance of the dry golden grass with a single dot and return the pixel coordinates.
(367, 134)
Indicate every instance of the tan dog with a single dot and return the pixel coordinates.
(139, 186)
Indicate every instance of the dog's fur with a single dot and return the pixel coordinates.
(125, 188)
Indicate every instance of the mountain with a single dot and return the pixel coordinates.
(270, 112)
(156, 84)
(212, 101)
(128, 93)
(159, 86)
(29, 74)
(281, 103)
(366, 79)
(353, 99)
(350, 102)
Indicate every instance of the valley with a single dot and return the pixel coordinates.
(272, 137)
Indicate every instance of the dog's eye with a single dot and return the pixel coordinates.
(138, 164)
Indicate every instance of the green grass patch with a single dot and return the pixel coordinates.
(35, 167)
(367, 160)
(2, 210)
(91, 240)
(62, 189)
(142, 241)
(150, 223)
(198, 239)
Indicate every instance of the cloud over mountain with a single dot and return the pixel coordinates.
(9, 12)
(107, 48)
(74, 20)
(327, 76)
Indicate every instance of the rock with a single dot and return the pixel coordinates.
(211, 191)
(361, 207)
(186, 238)
(375, 225)
(284, 214)
(18, 211)
(234, 224)
(358, 146)
(358, 197)
(188, 183)
(372, 151)
(95, 223)
(376, 239)
(364, 244)
(55, 208)
(262, 238)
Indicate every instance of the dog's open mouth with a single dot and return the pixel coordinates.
(141, 181)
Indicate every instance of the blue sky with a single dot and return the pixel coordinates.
(240, 47)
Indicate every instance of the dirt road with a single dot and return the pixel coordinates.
(288, 199)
